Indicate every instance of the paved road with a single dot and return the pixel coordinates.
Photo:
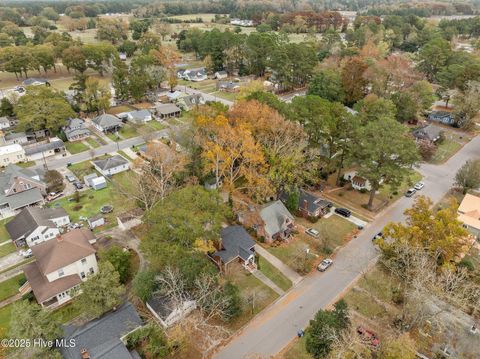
(55, 163)
(274, 328)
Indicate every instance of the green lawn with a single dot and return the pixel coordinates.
(91, 141)
(75, 147)
(127, 131)
(26, 164)
(387, 193)
(5, 314)
(293, 254)
(122, 153)
(3, 230)
(273, 274)
(157, 126)
(297, 350)
(226, 95)
(7, 249)
(82, 169)
(255, 295)
(445, 150)
(10, 287)
(66, 313)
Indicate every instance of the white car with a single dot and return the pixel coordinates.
(323, 266)
(312, 232)
(419, 185)
(26, 253)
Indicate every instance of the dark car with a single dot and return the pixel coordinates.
(343, 212)
(77, 185)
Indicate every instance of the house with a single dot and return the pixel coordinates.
(359, 183)
(15, 137)
(166, 311)
(103, 338)
(122, 56)
(469, 214)
(75, 130)
(175, 95)
(107, 123)
(228, 86)
(235, 245)
(309, 204)
(4, 122)
(96, 221)
(40, 150)
(139, 117)
(11, 154)
(442, 117)
(35, 81)
(191, 101)
(167, 110)
(111, 165)
(244, 23)
(34, 225)
(428, 133)
(220, 75)
(277, 222)
(94, 181)
(20, 187)
(195, 75)
(60, 266)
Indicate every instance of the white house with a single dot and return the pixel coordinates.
(111, 165)
(139, 117)
(94, 181)
(47, 148)
(4, 122)
(195, 75)
(358, 183)
(34, 225)
(11, 154)
(220, 75)
(61, 266)
(96, 221)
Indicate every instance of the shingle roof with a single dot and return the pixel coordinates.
(235, 242)
(31, 218)
(110, 162)
(273, 214)
(55, 254)
(313, 202)
(192, 100)
(429, 132)
(140, 114)
(42, 147)
(167, 108)
(22, 199)
(107, 121)
(101, 337)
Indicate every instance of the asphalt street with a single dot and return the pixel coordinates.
(276, 326)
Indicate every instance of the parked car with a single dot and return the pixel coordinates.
(419, 185)
(368, 336)
(26, 253)
(70, 178)
(77, 185)
(54, 195)
(323, 266)
(343, 212)
(410, 192)
(312, 232)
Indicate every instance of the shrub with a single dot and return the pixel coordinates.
(327, 250)
(77, 207)
(467, 263)
(363, 190)
(312, 219)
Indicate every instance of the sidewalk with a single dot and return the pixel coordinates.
(267, 281)
(277, 263)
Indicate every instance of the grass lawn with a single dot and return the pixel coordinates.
(119, 109)
(66, 313)
(124, 155)
(157, 126)
(386, 192)
(75, 147)
(3, 230)
(91, 201)
(362, 303)
(7, 249)
(92, 142)
(127, 131)
(445, 150)
(225, 95)
(293, 254)
(82, 169)
(297, 350)
(5, 314)
(255, 295)
(10, 287)
(25, 164)
(273, 274)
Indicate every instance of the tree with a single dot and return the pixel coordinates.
(353, 81)
(101, 292)
(406, 106)
(74, 58)
(120, 79)
(113, 30)
(466, 105)
(139, 27)
(439, 233)
(373, 108)
(328, 85)
(144, 285)
(54, 181)
(6, 107)
(43, 108)
(49, 13)
(426, 149)
(96, 96)
(120, 259)
(433, 56)
(384, 151)
(468, 176)
(402, 347)
(30, 321)
(325, 328)
(163, 29)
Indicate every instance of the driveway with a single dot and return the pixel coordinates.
(269, 332)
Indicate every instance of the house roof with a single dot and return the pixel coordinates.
(32, 80)
(236, 242)
(429, 132)
(469, 211)
(75, 123)
(22, 199)
(42, 288)
(63, 250)
(221, 72)
(175, 95)
(70, 133)
(228, 84)
(195, 72)
(31, 218)
(162, 305)
(192, 100)
(11, 172)
(8, 149)
(107, 121)
(167, 108)
(101, 337)
(14, 135)
(110, 162)
(140, 114)
(312, 202)
(55, 143)
(4, 119)
(273, 214)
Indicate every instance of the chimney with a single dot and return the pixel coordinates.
(84, 353)
(59, 237)
(305, 204)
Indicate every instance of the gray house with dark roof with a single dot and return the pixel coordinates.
(75, 130)
(103, 338)
(167, 110)
(107, 123)
(139, 117)
(111, 165)
(309, 204)
(276, 222)
(166, 311)
(236, 245)
(191, 101)
(428, 133)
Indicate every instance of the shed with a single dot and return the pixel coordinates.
(96, 221)
(94, 181)
(166, 312)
